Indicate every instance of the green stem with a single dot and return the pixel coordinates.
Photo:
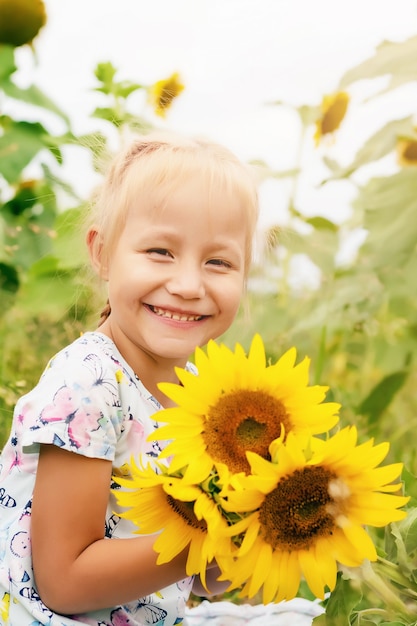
(384, 591)
(321, 357)
(285, 264)
(373, 612)
(391, 571)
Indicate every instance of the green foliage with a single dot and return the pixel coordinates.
(117, 94)
(32, 94)
(392, 59)
(340, 604)
(382, 594)
(381, 396)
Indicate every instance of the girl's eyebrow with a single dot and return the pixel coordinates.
(220, 245)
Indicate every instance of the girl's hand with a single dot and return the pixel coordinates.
(214, 586)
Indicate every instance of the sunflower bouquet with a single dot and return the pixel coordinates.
(252, 477)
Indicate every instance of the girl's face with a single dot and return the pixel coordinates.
(176, 274)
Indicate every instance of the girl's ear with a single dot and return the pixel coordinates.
(95, 248)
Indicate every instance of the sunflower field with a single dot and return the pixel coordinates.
(356, 322)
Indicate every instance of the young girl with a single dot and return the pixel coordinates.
(171, 235)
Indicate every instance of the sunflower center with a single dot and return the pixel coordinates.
(243, 420)
(410, 152)
(250, 430)
(186, 511)
(296, 513)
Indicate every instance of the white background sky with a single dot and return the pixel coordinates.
(234, 56)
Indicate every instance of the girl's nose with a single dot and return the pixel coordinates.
(187, 282)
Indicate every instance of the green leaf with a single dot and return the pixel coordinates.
(33, 95)
(125, 88)
(321, 247)
(410, 484)
(48, 293)
(397, 550)
(389, 205)
(396, 58)
(105, 73)
(19, 144)
(30, 234)
(343, 599)
(46, 266)
(9, 278)
(68, 246)
(321, 223)
(379, 145)
(9, 287)
(408, 530)
(382, 395)
(33, 206)
(119, 118)
(335, 168)
(399, 281)
(308, 114)
(108, 114)
(24, 199)
(55, 182)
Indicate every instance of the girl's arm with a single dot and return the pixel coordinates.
(77, 570)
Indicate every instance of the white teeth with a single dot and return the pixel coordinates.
(176, 316)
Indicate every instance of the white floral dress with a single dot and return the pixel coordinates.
(90, 402)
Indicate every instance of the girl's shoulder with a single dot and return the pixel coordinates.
(92, 351)
(83, 400)
(88, 342)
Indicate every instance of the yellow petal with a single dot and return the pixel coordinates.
(359, 538)
(273, 579)
(261, 569)
(326, 563)
(312, 573)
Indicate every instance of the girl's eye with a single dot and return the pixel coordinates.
(220, 263)
(159, 251)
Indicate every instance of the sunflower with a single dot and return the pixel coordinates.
(238, 403)
(163, 93)
(333, 111)
(21, 21)
(407, 152)
(182, 514)
(312, 503)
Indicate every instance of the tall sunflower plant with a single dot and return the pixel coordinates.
(258, 474)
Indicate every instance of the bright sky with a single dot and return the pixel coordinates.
(234, 56)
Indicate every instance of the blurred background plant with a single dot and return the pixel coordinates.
(357, 319)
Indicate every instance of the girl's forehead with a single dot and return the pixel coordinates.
(189, 194)
(222, 191)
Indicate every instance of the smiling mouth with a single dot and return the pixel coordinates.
(177, 317)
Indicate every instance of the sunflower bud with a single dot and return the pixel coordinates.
(407, 152)
(163, 93)
(21, 21)
(333, 111)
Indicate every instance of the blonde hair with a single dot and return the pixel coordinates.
(158, 163)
